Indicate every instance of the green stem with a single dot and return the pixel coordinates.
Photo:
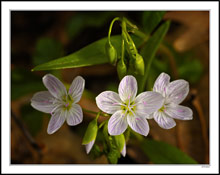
(93, 112)
(122, 50)
(110, 28)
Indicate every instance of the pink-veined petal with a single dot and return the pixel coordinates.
(148, 102)
(163, 120)
(108, 102)
(43, 101)
(138, 124)
(177, 91)
(57, 119)
(89, 146)
(161, 83)
(54, 86)
(117, 124)
(76, 89)
(128, 88)
(123, 152)
(74, 115)
(179, 112)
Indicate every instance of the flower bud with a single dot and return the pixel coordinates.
(111, 53)
(139, 64)
(120, 143)
(121, 69)
(90, 135)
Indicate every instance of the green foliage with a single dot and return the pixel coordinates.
(46, 50)
(33, 119)
(23, 82)
(112, 146)
(95, 151)
(190, 70)
(92, 54)
(151, 19)
(91, 132)
(82, 20)
(162, 153)
(149, 50)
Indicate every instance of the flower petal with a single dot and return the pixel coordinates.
(148, 102)
(138, 124)
(123, 152)
(89, 146)
(177, 91)
(74, 115)
(54, 85)
(179, 112)
(43, 101)
(108, 102)
(117, 124)
(163, 120)
(128, 88)
(57, 119)
(161, 83)
(76, 88)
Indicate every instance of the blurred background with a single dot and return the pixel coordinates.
(40, 36)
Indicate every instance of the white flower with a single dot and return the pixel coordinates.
(60, 104)
(127, 109)
(174, 92)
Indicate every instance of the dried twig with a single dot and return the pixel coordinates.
(27, 135)
(196, 103)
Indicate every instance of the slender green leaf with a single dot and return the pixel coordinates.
(151, 19)
(92, 54)
(148, 52)
(162, 153)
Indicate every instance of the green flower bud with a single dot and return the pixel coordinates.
(121, 69)
(139, 64)
(120, 141)
(111, 53)
(91, 132)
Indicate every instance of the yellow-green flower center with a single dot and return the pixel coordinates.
(68, 100)
(162, 109)
(128, 108)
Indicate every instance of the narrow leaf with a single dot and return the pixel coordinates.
(92, 54)
(151, 19)
(148, 52)
(162, 153)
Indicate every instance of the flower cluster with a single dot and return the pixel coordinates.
(127, 108)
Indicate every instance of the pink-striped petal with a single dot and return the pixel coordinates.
(76, 89)
(54, 86)
(74, 115)
(43, 101)
(128, 88)
(108, 102)
(161, 83)
(123, 152)
(57, 119)
(89, 146)
(163, 120)
(177, 91)
(148, 102)
(179, 112)
(138, 124)
(117, 124)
